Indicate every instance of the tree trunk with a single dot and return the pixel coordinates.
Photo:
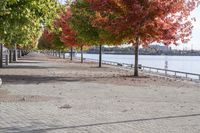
(1, 55)
(81, 53)
(10, 56)
(6, 60)
(19, 54)
(71, 54)
(53, 53)
(63, 54)
(59, 53)
(136, 57)
(100, 55)
(15, 53)
(23, 52)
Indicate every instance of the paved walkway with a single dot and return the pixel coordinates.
(44, 95)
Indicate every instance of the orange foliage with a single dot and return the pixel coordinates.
(164, 21)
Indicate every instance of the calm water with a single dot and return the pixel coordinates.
(180, 63)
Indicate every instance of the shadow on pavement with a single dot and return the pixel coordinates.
(37, 79)
(26, 67)
(28, 62)
(58, 127)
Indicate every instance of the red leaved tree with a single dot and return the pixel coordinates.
(68, 36)
(145, 21)
(46, 40)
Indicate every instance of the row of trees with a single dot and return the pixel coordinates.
(115, 22)
(21, 21)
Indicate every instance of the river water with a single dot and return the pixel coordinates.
(189, 64)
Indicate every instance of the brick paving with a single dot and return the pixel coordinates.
(77, 106)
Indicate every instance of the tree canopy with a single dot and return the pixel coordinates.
(22, 20)
(165, 21)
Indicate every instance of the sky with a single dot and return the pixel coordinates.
(194, 43)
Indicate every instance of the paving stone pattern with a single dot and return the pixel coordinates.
(92, 107)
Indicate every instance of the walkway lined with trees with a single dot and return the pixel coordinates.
(43, 93)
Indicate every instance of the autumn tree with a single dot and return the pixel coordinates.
(143, 22)
(68, 35)
(87, 33)
(46, 40)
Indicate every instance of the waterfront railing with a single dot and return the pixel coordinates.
(165, 72)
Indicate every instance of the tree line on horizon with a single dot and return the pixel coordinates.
(86, 23)
(151, 50)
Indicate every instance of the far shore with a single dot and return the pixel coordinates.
(141, 54)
